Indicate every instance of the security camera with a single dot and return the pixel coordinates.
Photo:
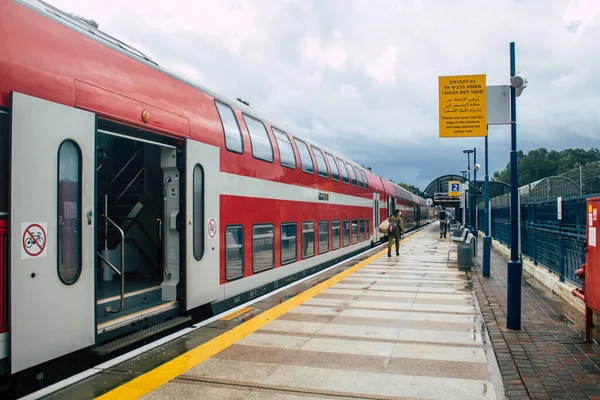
(476, 167)
(519, 83)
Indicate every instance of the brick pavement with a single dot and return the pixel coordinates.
(548, 358)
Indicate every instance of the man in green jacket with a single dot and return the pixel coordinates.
(396, 229)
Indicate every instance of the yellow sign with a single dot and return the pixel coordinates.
(462, 106)
(453, 188)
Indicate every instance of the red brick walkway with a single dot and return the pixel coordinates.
(547, 359)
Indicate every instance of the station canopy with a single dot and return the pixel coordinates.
(440, 186)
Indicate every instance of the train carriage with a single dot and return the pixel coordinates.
(132, 199)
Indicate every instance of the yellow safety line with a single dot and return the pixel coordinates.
(160, 375)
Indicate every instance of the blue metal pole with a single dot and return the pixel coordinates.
(475, 193)
(515, 268)
(474, 218)
(487, 240)
(468, 199)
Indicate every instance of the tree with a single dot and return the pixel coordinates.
(541, 163)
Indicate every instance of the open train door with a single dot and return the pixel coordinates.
(51, 231)
(202, 215)
(376, 217)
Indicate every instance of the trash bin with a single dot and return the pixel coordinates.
(465, 255)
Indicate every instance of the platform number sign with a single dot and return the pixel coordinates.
(34, 240)
(453, 188)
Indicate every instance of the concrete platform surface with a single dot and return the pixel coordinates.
(399, 327)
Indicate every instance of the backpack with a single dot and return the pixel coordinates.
(392, 227)
(442, 215)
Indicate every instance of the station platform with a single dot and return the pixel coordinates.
(405, 326)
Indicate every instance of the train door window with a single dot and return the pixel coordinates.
(69, 213)
(368, 232)
(335, 170)
(308, 239)
(321, 166)
(359, 178)
(198, 204)
(234, 252)
(355, 231)
(4, 179)
(259, 139)
(323, 237)
(344, 171)
(362, 230)
(287, 158)
(263, 247)
(335, 235)
(231, 129)
(346, 233)
(305, 159)
(289, 244)
(352, 176)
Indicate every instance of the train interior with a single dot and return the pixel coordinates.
(137, 245)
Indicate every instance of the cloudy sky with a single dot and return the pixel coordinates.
(361, 76)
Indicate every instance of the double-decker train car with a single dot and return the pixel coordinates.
(132, 199)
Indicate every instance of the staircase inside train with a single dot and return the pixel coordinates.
(138, 266)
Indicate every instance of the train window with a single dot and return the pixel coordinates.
(231, 129)
(69, 212)
(362, 230)
(305, 159)
(234, 252)
(346, 233)
(335, 235)
(355, 231)
(323, 237)
(308, 239)
(263, 247)
(4, 179)
(366, 180)
(286, 152)
(344, 171)
(352, 176)
(321, 166)
(335, 171)
(288, 243)
(259, 139)
(361, 183)
(368, 232)
(198, 206)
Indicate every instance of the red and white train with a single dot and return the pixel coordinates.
(131, 198)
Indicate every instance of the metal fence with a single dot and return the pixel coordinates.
(559, 245)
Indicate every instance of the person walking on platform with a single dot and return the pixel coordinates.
(395, 229)
(443, 218)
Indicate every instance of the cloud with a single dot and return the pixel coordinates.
(361, 76)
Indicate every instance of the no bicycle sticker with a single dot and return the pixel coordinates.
(34, 240)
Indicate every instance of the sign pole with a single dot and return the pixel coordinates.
(474, 223)
(515, 268)
(475, 193)
(487, 240)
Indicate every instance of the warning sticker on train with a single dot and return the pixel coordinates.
(34, 240)
(212, 228)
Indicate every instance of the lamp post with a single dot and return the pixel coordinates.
(468, 201)
(515, 267)
(464, 175)
(487, 240)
